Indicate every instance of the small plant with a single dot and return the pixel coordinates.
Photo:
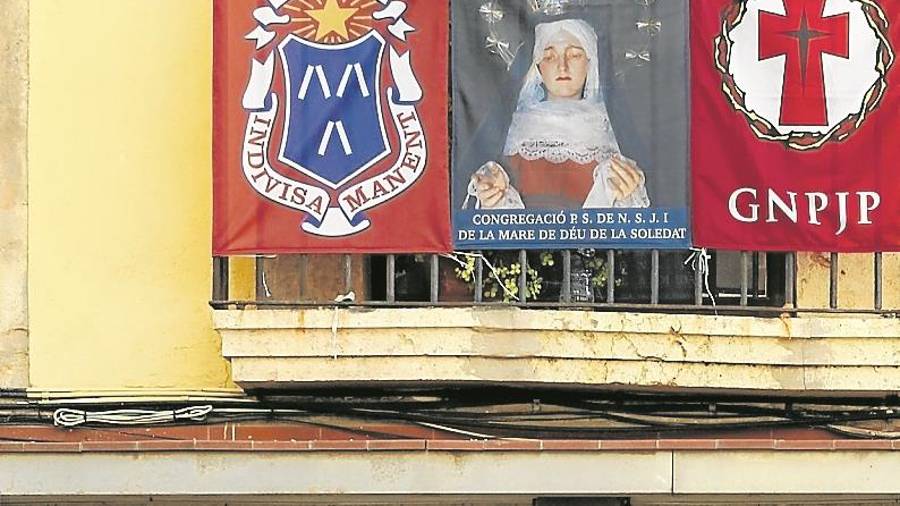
(502, 269)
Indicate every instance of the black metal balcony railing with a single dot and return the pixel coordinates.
(651, 281)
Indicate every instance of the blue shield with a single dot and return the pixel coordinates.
(334, 128)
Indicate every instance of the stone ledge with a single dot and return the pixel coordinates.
(510, 346)
(511, 318)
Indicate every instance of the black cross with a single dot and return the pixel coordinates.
(804, 36)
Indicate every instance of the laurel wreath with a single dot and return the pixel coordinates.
(805, 141)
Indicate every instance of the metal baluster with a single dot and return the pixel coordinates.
(435, 279)
(479, 278)
(348, 273)
(833, 286)
(610, 276)
(567, 277)
(790, 279)
(523, 276)
(698, 285)
(754, 275)
(302, 281)
(879, 281)
(654, 277)
(220, 279)
(391, 281)
(261, 285)
(745, 277)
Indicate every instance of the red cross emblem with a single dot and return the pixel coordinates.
(774, 63)
(803, 36)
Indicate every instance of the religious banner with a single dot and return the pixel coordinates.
(793, 106)
(570, 124)
(330, 126)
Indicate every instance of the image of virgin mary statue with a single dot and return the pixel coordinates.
(561, 151)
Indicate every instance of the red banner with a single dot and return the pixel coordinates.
(330, 126)
(793, 106)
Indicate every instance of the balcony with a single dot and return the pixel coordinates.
(736, 323)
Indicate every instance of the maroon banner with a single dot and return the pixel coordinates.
(794, 103)
(330, 126)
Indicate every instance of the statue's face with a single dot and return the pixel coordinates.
(564, 67)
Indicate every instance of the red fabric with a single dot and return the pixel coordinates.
(808, 105)
(246, 223)
(727, 155)
(546, 185)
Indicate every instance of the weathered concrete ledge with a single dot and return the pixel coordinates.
(417, 477)
(322, 347)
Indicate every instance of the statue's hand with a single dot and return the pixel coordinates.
(625, 177)
(491, 184)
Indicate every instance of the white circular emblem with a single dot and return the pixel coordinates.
(804, 72)
(330, 107)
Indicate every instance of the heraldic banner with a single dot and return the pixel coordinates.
(570, 124)
(330, 126)
(795, 106)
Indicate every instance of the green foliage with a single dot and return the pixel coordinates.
(502, 283)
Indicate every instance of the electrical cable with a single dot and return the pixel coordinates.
(553, 415)
(67, 417)
(863, 433)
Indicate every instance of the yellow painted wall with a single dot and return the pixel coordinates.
(119, 143)
(120, 195)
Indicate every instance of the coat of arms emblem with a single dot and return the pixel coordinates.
(332, 128)
(804, 72)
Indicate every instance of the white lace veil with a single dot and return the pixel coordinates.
(562, 130)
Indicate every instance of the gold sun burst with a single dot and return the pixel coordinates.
(331, 21)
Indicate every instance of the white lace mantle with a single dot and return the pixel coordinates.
(561, 152)
(561, 131)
